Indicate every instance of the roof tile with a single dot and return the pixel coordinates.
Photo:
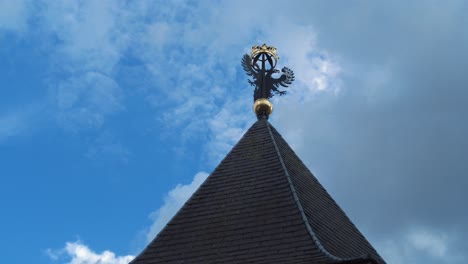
(260, 205)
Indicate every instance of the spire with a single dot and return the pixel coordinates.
(261, 66)
(261, 204)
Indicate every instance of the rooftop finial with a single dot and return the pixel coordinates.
(260, 64)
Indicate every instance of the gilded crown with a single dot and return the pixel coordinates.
(270, 50)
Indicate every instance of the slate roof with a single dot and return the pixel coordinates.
(260, 205)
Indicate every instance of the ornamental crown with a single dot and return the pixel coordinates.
(257, 50)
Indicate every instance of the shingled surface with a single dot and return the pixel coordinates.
(260, 205)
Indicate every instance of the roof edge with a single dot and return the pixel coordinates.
(314, 237)
(188, 201)
(367, 259)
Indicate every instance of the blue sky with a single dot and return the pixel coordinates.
(113, 112)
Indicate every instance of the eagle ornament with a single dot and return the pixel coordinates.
(260, 65)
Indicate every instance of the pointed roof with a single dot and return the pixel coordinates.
(260, 205)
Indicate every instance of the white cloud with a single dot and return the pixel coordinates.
(157, 36)
(14, 15)
(172, 203)
(226, 128)
(88, 39)
(315, 69)
(85, 101)
(419, 244)
(430, 242)
(79, 253)
(89, 34)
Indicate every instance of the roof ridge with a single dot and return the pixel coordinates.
(190, 198)
(301, 210)
(298, 202)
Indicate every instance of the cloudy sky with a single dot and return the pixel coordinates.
(113, 112)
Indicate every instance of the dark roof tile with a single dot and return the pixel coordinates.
(260, 205)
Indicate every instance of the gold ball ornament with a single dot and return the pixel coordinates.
(262, 107)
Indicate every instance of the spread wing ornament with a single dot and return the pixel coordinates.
(260, 64)
(246, 64)
(286, 78)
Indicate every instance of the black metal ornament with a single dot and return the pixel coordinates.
(260, 64)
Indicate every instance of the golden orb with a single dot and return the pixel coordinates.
(263, 106)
